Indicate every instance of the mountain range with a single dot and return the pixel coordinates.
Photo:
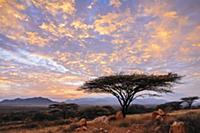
(113, 101)
(40, 101)
(35, 101)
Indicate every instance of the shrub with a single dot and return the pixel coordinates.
(43, 117)
(94, 111)
(66, 110)
(138, 109)
(31, 125)
(170, 106)
(63, 122)
(14, 117)
(110, 109)
(157, 127)
(192, 121)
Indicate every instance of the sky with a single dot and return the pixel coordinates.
(50, 47)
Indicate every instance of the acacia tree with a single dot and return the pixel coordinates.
(67, 109)
(127, 87)
(190, 100)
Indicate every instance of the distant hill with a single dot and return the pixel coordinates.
(113, 101)
(35, 101)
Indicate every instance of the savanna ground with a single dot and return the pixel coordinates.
(134, 123)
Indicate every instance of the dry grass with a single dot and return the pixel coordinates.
(139, 123)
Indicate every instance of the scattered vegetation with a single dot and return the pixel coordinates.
(64, 110)
(189, 100)
(192, 121)
(170, 106)
(126, 88)
(95, 111)
(139, 109)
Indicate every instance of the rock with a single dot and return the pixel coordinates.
(178, 127)
(101, 129)
(129, 131)
(82, 122)
(161, 112)
(154, 115)
(105, 131)
(84, 128)
(157, 129)
(102, 119)
(111, 118)
(119, 115)
(159, 115)
(78, 129)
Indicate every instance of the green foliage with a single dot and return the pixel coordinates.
(170, 106)
(139, 109)
(39, 116)
(65, 110)
(31, 125)
(95, 111)
(125, 87)
(110, 109)
(13, 117)
(189, 100)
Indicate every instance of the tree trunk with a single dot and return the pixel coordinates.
(64, 115)
(124, 110)
(189, 105)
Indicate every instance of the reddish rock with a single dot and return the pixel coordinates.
(159, 115)
(101, 119)
(111, 118)
(82, 122)
(119, 115)
(178, 127)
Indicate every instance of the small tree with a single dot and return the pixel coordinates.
(190, 100)
(67, 109)
(126, 88)
(170, 106)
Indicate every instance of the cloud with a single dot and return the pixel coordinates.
(24, 57)
(52, 47)
(112, 22)
(115, 3)
(54, 7)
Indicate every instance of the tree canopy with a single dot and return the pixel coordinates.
(127, 87)
(67, 109)
(190, 100)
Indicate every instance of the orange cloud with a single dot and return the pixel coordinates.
(54, 7)
(115, 3)
(34, 38)
(112, 22)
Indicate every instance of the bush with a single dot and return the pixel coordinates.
(110, 109)
(170, 106)
(63, 122)
(157, 127)
(14, 117)
(43, 117)
(31, 125)
(65, 110)
(139, 109)
(192, 121)
(94, 111)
